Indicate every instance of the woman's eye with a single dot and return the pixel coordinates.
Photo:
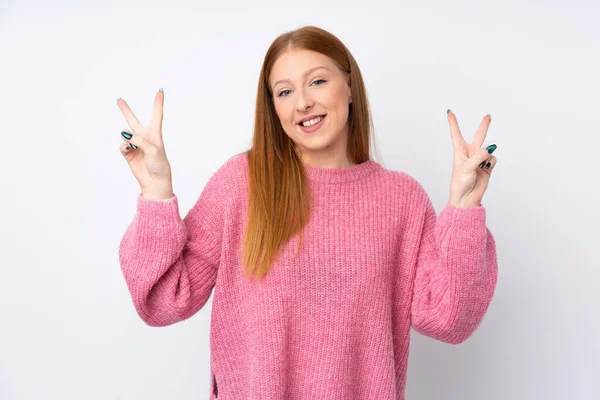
(317, 80)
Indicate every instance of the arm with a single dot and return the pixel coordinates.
(456, 273)
(169, 264)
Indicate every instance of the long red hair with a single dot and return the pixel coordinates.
(280, 198)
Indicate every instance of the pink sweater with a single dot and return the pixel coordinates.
(335, 323)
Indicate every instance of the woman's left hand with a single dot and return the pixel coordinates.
(469, 178)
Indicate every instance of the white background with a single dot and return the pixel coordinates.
(68, 329)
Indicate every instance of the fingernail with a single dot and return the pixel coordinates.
(487, 166)
(161, 90)
(128, 136)
(127, 148)
(482, 164)
(489, 115)
(490, 149)
(449, 111)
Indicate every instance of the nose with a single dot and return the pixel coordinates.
(303, 101)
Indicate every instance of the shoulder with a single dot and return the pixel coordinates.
(226, 180)
(236, 164)
(230, 175)
(221, 192)
(404, 182)
(408, 191)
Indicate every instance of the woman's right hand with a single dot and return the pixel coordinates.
(148, 162)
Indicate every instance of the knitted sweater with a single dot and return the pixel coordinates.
(334, 323)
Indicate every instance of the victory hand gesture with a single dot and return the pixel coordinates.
(144, 151)
(472, 166)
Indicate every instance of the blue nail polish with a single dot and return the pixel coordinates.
(490, 149)
(128, 136)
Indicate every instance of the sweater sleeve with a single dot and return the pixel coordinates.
(456, 273)
(170, 264)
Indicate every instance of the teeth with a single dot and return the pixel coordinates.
(312, 121)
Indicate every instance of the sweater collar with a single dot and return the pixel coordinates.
(340, 175)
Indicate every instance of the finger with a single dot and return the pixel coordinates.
(478, 160)
(491, 164)
(157, 114)
(125, 149)
(457, 139)
(146, 146)
(126, 134)
(487, 164)
(482, 131)
(130, 117)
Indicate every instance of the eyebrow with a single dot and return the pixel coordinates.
(306, 73)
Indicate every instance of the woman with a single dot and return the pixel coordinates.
(321, 259)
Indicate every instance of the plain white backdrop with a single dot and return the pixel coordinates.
(68, 329)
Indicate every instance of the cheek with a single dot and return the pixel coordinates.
(342, 97)
(283, 113)
(336, 99)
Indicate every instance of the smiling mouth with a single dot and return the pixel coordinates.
(319, 116)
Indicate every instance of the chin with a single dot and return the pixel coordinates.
(317, 143)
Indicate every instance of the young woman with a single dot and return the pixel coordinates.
(321, 259)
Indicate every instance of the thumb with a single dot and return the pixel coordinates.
(139, 141)
(473, 163)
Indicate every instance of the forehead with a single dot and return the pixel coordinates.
(293, 64)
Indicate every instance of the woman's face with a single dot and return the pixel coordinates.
(306, 83)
